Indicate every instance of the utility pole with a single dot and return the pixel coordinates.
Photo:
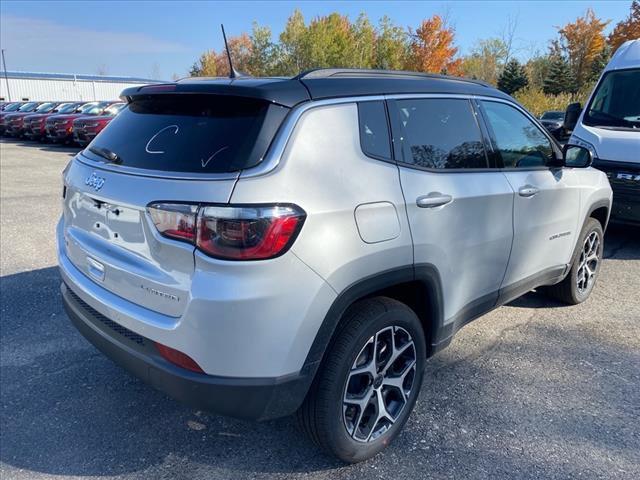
(6, 79)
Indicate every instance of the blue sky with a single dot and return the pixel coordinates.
(160, 38)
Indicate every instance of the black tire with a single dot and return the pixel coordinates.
(323, 416)
(568, 290)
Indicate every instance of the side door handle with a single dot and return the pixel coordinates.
(527, 191)
(434, 199)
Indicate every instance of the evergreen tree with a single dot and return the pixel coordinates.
(559, 78)
(599, 63)
(513, 77)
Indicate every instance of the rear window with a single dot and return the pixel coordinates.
(191, 133)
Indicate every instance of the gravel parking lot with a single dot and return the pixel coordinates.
(534, 389)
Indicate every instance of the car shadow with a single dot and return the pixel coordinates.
(67, 410)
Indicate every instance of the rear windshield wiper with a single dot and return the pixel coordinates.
(106, 154)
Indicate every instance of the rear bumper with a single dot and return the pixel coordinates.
(248, 398)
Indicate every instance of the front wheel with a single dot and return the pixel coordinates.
(369, 381)
(579, 282)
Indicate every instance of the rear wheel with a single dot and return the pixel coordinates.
(369, 381)
(579, 282)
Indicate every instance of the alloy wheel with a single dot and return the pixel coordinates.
(588, 266)
(379, 384)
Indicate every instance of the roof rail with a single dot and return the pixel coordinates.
(363, 72)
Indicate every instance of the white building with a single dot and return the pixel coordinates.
(16, 86)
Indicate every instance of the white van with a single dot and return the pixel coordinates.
(609, 126)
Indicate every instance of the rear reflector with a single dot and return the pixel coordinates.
(178, 358)
(231, 232)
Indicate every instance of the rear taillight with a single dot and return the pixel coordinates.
(231, 232)
(174, 220)
(178, 358)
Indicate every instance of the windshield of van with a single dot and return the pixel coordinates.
(616, 102)
(190, 133)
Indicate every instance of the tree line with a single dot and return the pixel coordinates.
(565, 72)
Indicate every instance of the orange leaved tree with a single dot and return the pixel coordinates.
(432, 48)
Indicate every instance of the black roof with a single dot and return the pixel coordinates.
(323, 84)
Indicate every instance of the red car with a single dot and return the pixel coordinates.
(14, 122)
(34, 124)
(13, 108)
(59, 128)
(86, 128)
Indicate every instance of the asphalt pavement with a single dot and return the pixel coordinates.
(533, 390)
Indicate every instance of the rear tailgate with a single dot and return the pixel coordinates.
(162, 148)
(109, 236)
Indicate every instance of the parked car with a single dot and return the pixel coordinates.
(86, 128)
(554, 122)
(609, 127)
(14, 122)
(269, 246)
(8, 109)
(34, 124)
(60, 127)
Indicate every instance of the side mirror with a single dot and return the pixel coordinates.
(576, 156)
(571, 116)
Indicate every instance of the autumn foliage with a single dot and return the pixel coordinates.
(583, 41)
(433, 49)
(570, 67)
(628, 29)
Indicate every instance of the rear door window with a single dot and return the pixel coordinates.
(191, 133)
(439, 133)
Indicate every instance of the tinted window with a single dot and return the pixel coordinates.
(191, 133)
(440, 133)
(520, 142)
(374, 130)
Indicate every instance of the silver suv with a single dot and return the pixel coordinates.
(264, 247)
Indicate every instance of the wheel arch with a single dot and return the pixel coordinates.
(599, 210)
(418, 287)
